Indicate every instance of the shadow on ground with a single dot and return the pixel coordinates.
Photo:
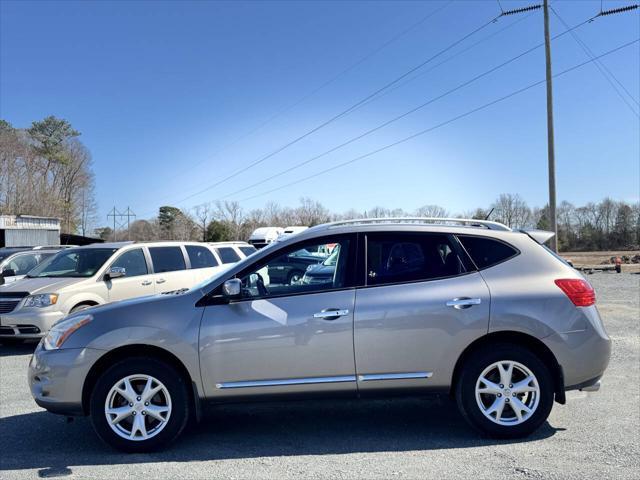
(46, 442)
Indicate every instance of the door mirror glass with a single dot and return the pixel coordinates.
(8, 272)
(231, 288)
(116, 272)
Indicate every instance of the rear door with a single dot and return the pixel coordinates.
(170, 268)
(137, 281)
(203, 263)
(422, 303)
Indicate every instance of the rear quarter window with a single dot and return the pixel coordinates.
(228, 255)
(487, 252)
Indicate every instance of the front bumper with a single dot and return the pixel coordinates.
(56, 378)
(28, 323)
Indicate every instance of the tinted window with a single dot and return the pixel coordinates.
(201, 257)
(298, 271)
(412, 257)
(248, 250)
(167, 259)
(133, 263)
(486, 252)
(228, 255)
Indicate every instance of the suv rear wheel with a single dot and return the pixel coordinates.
(505, 391)
(139, 405)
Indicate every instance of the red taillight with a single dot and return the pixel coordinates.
(578, 291)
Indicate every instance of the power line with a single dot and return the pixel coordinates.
(602, 68)
(407, 113)
(328, 82)
(447, 122)
(341, 114)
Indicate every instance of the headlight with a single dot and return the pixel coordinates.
(41, 300)
(63, 330)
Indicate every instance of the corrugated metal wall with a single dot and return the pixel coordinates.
(30, 237)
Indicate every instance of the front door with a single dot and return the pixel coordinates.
(283, 337)
(422, 304)
(137, 280)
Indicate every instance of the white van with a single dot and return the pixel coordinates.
(292, 230)
(82, 277)
(263, 236)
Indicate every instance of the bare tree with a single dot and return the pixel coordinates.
(203, 214)
(431, 211)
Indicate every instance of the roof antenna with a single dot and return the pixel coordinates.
(489, 214)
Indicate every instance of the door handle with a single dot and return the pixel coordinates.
(463, 302)
(331, 313)
(160, 280)
(146, 282)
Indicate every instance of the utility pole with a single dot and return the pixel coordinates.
(118, 220)
(553, 243)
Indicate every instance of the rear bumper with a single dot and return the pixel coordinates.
(56, 378)
(583, 355)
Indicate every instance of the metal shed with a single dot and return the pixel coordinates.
(28, 231)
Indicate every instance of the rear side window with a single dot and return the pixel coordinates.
(487, 252)
(228, 255)
(167, 259)
(248, 250)
(201, 257)
(401, 258)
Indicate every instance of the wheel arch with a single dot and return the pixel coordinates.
(515, 338)
(145, 351)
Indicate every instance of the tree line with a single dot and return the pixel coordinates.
(606, 225)
(45, 170)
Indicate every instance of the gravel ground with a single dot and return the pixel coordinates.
(595, 435)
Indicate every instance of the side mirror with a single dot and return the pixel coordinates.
(115, 272)
(8, 272)
(231, 288)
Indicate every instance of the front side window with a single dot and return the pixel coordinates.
(133, 262)
(402, 258)
(201, 257)
(83, 262)
(308, 269)
(228, 255)
(167, 259)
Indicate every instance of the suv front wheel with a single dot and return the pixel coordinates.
(505, 391)
(139, 405)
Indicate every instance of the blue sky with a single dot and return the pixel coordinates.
(166, 95)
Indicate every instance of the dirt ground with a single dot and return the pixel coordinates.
(582, 259)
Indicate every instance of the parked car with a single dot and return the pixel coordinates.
(232, 252)
(290, 268)
(292, 230)
(322, 272)
(15, 263)
(82, 277)
(263, 236)
(465, 307)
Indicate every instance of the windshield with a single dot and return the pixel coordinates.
(82, 263)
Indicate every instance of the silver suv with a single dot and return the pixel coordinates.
(407, 306)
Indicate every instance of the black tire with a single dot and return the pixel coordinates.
(294, 276)
(79, 308)
(473, 367)
(161, 371)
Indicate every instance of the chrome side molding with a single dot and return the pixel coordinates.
(394, 376)
(289, 381)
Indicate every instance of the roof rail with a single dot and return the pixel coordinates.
(466, 222)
